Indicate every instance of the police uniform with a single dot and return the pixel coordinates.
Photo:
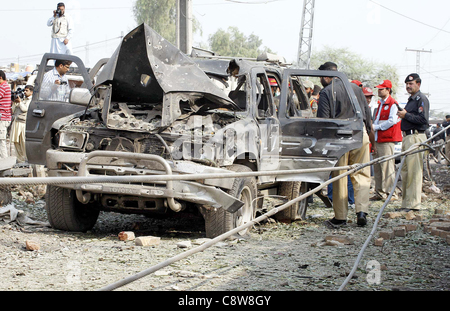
(413, 126)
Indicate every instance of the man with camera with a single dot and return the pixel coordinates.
(55, 85)
(5, 113)
(62, 31)
(17, 135)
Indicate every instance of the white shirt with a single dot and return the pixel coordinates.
(52, 91)
(57, 44)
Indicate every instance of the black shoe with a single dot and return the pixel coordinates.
(361, 219)
(335, 223)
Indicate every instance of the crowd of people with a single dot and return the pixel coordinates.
(388, 125)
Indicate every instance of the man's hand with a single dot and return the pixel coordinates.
(66, 41)
(58, 82)
(402, 114)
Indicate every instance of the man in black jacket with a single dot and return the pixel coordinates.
(415, 121)
(334, 102)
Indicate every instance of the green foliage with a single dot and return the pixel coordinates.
(161, 15)
(234, 43)
(370, 73)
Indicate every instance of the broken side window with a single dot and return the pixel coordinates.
(58, 81)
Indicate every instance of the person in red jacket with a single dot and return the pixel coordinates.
(387, 130)
(5, 113)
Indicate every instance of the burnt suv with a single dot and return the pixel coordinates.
(152, 110)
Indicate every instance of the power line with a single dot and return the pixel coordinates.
(415, 20)
(78, 47)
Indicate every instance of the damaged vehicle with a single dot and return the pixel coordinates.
(152, 110)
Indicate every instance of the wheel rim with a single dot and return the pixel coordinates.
(245, 214)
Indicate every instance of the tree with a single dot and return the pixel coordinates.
(370, 73)
(161, 15)
(234, 43)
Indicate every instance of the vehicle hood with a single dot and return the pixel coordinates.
(145, 67)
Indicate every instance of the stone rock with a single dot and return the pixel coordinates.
(126, 236)
(147, 241)
(32, 245)
(379, 242)
(339, 238)
(400, 231)
(184, 244)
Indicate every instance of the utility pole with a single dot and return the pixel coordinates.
(418, 57)
(184, 26)
(306, 35)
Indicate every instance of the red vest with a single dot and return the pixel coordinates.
(394, 133)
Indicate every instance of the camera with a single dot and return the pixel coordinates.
(20, 93)
(58, 12)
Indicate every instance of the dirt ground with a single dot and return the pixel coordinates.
(273, 257)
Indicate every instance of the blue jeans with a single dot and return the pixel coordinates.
(351, 193)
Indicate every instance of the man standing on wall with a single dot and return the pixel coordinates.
(62, 31)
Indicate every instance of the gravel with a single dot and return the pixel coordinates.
(274, 256)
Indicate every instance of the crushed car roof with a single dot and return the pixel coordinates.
(146, 66)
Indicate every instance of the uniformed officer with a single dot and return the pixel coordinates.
(415, 121)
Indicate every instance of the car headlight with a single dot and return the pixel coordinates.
(73, 141)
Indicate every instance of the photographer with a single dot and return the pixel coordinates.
(17, 135)
(62, 31)
(5, 113)
(55, 85)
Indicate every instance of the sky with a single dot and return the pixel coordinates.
(378, 30)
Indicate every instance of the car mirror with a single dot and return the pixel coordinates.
(80, 96)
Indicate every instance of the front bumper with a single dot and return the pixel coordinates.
(207, 192)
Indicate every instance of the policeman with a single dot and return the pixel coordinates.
(415, 121)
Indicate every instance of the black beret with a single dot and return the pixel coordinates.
(412, 77)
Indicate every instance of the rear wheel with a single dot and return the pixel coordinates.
(218, 222)
(65, 212)
(292, 190)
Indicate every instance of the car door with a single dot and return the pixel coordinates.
(44, 111)
(307, 141)
(265, 114)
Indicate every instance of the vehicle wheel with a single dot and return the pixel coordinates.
(220, 221)
(292, 190)
(65, 212)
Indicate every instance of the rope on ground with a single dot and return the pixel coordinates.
(380, 214)
(352, 169)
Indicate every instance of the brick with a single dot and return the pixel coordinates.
(419, 217)
(393, 215)
(379, 242)
(439, 211)
(409, 227)
(386, 235)
(400, 231)
(442, 226)
(448, 239)
(410, 215)
(32, 245)
(126, 236)
(147, 241)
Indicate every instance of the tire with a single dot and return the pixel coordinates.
(292, 190)
(65, 212)
(219, 221)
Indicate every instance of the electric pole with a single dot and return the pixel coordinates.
(184, 26)
(418, 57)
(306, 35)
